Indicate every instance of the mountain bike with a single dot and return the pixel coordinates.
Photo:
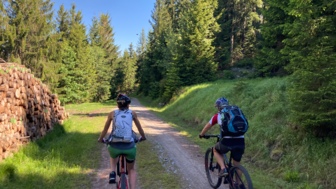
(122, 182)
(237, 178)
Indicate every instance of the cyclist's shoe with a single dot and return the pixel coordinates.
(222, 173)
(112, 178)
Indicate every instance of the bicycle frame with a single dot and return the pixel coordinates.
(237, 174)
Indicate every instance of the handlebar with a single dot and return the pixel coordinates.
(210, 136)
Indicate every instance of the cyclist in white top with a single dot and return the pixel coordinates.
(122, 141)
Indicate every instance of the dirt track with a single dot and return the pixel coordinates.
(183, 156)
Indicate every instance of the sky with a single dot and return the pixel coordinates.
(128, 17)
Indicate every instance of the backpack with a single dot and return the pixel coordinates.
(234, 122)
(122, 132)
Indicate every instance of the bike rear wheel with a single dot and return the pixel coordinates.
(123, 182)
(212, 169)
(239, 178)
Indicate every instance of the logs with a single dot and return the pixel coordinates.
(28, 110)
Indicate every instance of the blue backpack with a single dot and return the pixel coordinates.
(234, 122)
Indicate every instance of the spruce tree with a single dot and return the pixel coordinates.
(28, 28)
(270, 61)
(75, 43)
(311, 48)
(102, 37)
(197, 27)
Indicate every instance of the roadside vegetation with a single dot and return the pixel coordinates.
(278, 155)
(68, 155)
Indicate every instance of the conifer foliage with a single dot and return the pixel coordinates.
(190, 42)
(312, 50)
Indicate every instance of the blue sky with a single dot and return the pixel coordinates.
(128, 17)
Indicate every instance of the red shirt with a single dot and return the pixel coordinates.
(216, 119)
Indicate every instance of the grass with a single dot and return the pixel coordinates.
(67, 156)
(63, 159)
(276, 155)
(151, 172)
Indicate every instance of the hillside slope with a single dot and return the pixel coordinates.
(276, 153)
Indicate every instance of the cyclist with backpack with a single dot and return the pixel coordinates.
(121, 140)
(233, 125)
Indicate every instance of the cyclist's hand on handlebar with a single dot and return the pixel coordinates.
(202, 136)
(103, 140)
(142, 139)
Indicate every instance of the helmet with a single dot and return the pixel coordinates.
(220, 102)
(123, 101)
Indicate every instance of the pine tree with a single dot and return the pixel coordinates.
(311, 48)
(197, 27)
(4, 45)
(102, 37)
(154, 65)
(75, 58)
(28, 28)
(239, 22)
(270, 61)
(128, 67)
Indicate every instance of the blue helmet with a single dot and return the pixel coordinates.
(220, 102)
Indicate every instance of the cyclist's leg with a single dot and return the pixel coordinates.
(114, 156)
(219, 150)
(130, 159)
(237, 153)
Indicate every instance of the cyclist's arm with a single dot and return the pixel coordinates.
(206, 128)
(138, 125)
(106, 127)
(213, 121)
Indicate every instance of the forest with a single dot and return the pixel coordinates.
(191, 42)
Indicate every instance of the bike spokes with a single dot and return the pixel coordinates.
(239, 178)
(212, 169)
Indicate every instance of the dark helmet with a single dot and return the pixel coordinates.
(220, 102)
(123, 101)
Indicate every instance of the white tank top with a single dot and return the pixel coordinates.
(123, 120)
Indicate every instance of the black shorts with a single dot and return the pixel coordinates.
(235, 145)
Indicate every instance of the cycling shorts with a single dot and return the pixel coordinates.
(235, 145)
(129, 153)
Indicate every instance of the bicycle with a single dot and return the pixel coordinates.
(237, 178)
(122, 168)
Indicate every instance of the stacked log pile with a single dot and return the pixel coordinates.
(28, 110)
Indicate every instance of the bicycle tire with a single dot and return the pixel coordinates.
(123, 182)
(236, 179)
(212, 169)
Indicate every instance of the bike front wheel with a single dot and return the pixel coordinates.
(239, 178)
(212, 169)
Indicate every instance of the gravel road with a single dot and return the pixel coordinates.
(180, 156)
